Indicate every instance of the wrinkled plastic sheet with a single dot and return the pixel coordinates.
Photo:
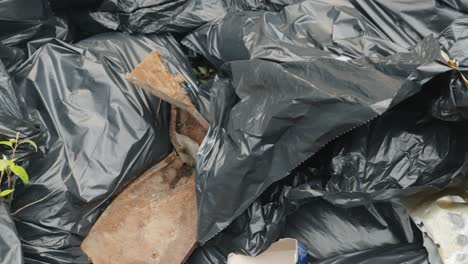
(11, 121)
(302, 31)
(10, 245)
(352, 117)
(70, 4)
(179, 16)
(11, 57)
(24, 20)
(102, 132)
(375, 233)
(304, 105)
(410, 139)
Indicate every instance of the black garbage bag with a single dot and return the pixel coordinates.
(11, 57)
(57, 5)
(404, 253)
(398, 154)
(25, 20)
(349, 230)
(63, 29)
(157, 15)
(302, 31)
(452, 105)
(407, 149)
(268, 118)
(102, 132)
(407, 22)
(12, 118)
(180, 16)
(337, 233)
(299, 32)
(12, 121)
(10, 244)
(382, 232)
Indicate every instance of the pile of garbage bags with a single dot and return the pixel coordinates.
(323, 116)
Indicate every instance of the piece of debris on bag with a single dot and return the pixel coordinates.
(443, 216)
(154, 219)
(284, 251)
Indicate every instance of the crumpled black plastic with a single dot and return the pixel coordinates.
(267, 118)
(348, 230)
(407, 22)
(304, 29)
(294, 80)
(380, 232)
(453, 104)
(289, 208)
(180, 16)
(25, 20)
(11, 57)
(299, 32)
(12, 120)
(405, 150)
(66, 4)
(102, 132)
(395, 155)
(157, 15)
(10, 245)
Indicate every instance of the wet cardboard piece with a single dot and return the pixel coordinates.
(152, 75)
(154, 219)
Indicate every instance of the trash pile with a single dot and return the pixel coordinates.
(341, 124)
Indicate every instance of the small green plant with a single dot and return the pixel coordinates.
(9, 168)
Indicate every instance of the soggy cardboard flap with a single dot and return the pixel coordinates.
(152, 75)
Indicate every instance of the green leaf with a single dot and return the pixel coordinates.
(30, 142)
(21, 172)
(4, 163)
(7, 143)
(6, 192)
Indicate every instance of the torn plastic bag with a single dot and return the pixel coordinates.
(264, 221)
(103, 132)
(401, 152)
(385, 158)
(181, 16)
(10, 245)
(24, 20)
(299, 32)
(267, 118)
